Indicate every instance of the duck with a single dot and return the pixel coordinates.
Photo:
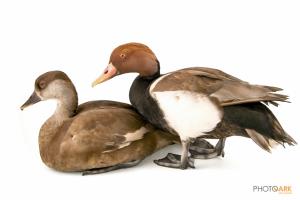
(93, 137)
(197, 102)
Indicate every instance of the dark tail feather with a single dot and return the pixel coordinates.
(281, 136)
(276, 135)
(259, 124)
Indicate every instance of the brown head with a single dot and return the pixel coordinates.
(52, 85)
(127, 58)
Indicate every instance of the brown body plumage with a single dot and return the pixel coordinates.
(93, 135)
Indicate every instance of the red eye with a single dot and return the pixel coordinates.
(122, 55)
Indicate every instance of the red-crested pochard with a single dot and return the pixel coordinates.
(94, 137)
(197, 102)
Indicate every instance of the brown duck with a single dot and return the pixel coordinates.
(94, 137)
(197, 102)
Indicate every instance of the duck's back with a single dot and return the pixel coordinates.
(101, 104)
(104, 125)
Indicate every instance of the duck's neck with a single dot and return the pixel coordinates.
(142, 101)
(66, 108)
(154, 75)
(51, 129)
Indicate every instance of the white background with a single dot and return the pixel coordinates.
(258, 41)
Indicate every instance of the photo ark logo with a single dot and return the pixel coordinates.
(282, 189)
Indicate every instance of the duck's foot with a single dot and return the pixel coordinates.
(201, 149)
(108, 169)
(174, 161)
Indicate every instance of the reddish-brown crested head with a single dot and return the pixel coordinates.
(127, 58)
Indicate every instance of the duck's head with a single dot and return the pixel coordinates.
(51, 85)
(127, 58)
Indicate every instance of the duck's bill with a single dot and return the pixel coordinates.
(109, 72)
(34, 98)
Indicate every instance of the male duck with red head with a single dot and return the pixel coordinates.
(197, 102)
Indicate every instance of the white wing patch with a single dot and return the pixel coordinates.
(131, 137)
(136, 135)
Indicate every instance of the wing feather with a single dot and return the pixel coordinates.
(104, 130)
(228, 89)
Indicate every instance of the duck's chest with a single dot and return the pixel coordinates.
(142, 101)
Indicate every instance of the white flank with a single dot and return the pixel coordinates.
(189, 113)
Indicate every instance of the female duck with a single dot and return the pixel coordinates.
(94, 137)
(197, 102)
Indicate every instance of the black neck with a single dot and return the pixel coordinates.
(143, 102)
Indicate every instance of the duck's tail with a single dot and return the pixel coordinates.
(267, 143)
(259, 124)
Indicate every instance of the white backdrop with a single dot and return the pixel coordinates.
(258, 41)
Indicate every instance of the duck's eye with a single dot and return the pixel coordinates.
(122, 55)
(42, 84)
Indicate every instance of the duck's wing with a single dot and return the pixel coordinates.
(228, 89)
(104, 130)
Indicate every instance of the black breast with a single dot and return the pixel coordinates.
(142, 101)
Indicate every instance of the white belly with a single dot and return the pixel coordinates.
(190, 114)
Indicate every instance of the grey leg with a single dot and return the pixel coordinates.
(185, 154)
(220, 147)
(108, 169)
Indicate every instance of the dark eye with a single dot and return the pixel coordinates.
(122, 55)
(42, 84)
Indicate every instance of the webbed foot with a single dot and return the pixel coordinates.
(202, 149)
(174, 161)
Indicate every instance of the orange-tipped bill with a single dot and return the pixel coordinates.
(108, 73)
